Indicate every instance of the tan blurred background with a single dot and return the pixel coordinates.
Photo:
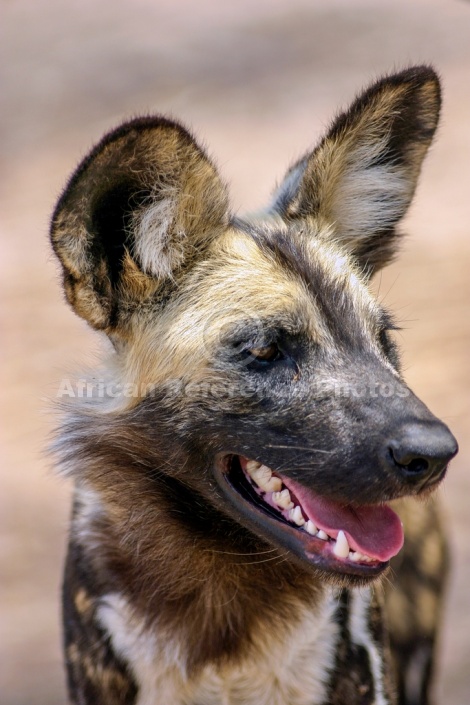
(258, 80)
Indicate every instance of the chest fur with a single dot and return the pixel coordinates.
(293, 669)
(310, 664)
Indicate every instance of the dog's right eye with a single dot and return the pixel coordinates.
(267, 354)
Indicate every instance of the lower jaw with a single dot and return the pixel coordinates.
(268, 522)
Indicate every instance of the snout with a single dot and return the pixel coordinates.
(419, 452)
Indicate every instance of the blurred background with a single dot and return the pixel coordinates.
(258, 81)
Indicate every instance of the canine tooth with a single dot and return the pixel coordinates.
(282, 499)
(341, 547)
(322, 535)
(296, 516)
(251, 466)
(310, 527)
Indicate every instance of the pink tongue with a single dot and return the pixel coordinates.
(374, 529)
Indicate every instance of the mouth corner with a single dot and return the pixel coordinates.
(282, 511)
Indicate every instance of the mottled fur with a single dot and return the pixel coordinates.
(170, 595)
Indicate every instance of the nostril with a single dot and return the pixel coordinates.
(411, 464)
(418, 466)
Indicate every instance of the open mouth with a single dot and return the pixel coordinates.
(334, 537)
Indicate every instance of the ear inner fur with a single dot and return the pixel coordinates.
(362, 176)
(147, 199)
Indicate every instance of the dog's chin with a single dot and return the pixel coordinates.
(351, 545)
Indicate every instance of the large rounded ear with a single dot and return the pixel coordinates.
(361, 178)
(140, 208)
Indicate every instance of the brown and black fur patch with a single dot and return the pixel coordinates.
(94, 670)
(244, 338)
(354, 679)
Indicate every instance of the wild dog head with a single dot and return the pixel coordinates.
(274, 395)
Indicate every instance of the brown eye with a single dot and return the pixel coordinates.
(269, 353)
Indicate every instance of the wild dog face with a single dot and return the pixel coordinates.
(276, 397)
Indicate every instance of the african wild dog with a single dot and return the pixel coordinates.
(229, 525)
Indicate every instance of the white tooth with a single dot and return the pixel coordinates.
(353, 556)
(282, 499)
(251, 466)
(341, 547)
(273, 485)
(296, 516)
(362, 557)
(261, 475)
(322, 535)
(310, 527)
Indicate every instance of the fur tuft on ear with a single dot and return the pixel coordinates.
(361, 178)
(140, 208)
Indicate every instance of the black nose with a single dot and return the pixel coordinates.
(422, 451)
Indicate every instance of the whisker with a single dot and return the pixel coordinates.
(233, 553)
(303, 448)
(281, 558)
